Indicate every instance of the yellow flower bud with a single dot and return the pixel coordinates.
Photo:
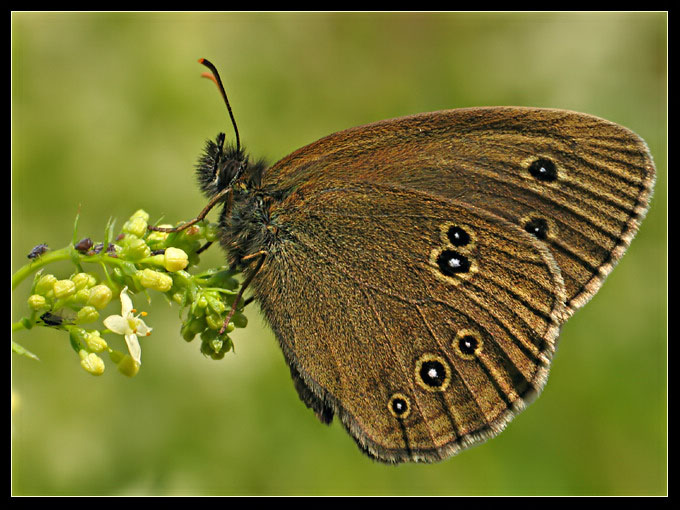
(64, 288)
(87, 314)
(100, 296)
(135, 226)
(36, 301)
(154, 235)
(155, 280)
(136, 248)
(95, 342)
(81, 280)
(91, 362)
(128, 366)
(45, 284)
(141, 213)
(82, 296)
(175, 259)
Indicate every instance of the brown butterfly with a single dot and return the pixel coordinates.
(416, 271)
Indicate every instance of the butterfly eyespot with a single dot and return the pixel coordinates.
(454, 235)
(457, 236)
(433, 373)
(451, 262)
(543, 169)
(399, 405)
(537, 227)
(467, 344)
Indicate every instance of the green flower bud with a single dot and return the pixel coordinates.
(116, 356)
(91, 362)
(192, 231)
(175, 259)
(100, 296)
(208, 335)
(215, 303)
(135, 248)
(216, 344)
(95, 342)
(87, 314)
(212, 232)
(197, 325)
(151, 279)
(36, 302)
(206, 349)
(64, 288)
(135, 226)
(45, 284)
(213, 321)
(27, 323)
(240, 320)
(186, 332)
(219, 347)
(82, 296)
(128, 366)
(208, 342)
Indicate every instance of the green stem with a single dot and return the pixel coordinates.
(39, 263)
(18, 326)
(58, 255)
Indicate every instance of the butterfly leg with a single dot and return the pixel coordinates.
(213, 202)
(262, 255)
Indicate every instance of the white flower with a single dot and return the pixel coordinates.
(129, 325)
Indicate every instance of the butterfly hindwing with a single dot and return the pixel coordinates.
(426, 338)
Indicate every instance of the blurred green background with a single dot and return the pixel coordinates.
(110, 114)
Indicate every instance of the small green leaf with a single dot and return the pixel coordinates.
(128, 268)
(75, 227)
(19, 349)
(74, 338)
(108, 233)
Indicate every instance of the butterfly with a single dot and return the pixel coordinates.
(417, 271)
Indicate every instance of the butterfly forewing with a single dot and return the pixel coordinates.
(578, 183)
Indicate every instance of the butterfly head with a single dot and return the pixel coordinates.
(221, 167)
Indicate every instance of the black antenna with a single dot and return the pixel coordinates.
(215, 76)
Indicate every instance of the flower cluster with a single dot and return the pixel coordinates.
(136, 260)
